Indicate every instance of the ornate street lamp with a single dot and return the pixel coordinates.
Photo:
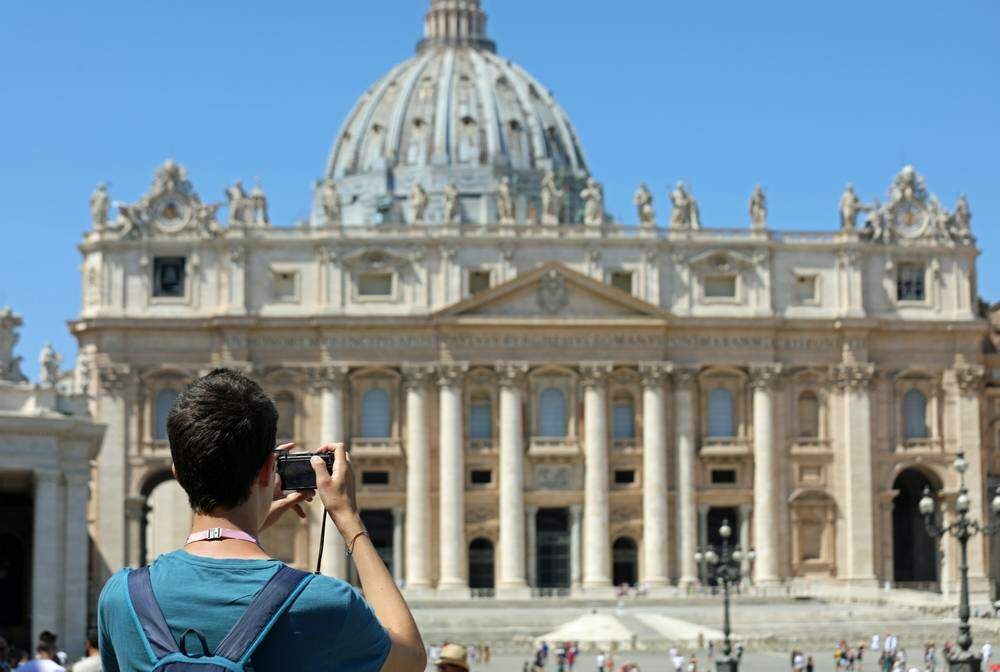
(724, 565)
(963, 529)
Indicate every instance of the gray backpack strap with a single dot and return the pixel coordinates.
(155, 630)
(267, 607)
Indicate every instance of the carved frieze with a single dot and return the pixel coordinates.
(852, 376)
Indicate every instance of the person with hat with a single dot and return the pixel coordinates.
(453, 658)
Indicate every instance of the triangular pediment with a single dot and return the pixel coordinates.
(553, 291)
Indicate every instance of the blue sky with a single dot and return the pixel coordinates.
(800, 96)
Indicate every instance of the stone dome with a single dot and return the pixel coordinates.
(455, 113)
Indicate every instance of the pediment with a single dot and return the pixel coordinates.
(553, 291)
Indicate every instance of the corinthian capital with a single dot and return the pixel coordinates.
(511, 374)
(970, 377)
(328, 376)
(654, 374)
(764, 376)
(114, 378)
(595, 374)
(852, 376)
(417, 375)
(452, 375)
(684, 377)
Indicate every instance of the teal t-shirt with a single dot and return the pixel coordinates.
(328, 627)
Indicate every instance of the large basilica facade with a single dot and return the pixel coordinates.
(539, 399)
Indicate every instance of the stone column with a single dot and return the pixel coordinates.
(47, 553)
(531, 519)
(684, 434)
(575, 525)
(745, 513)
(76, 553)
(398, 522)
(112, 470)
(512, 522)
(330, 381)
(418, 497)
(654, 475)
(451, 481)
(763, 378)
(969, 380)
(853, 381)
(597, 549)
(703, 541)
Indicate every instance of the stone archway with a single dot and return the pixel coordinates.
(625, 565)
(915, 554)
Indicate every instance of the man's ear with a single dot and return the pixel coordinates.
(265, 477)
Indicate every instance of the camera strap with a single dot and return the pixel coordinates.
(219, 533)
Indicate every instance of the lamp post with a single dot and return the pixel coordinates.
(724, 566)
(963, 529)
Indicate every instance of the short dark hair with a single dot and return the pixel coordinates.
(92, 638)
(221, 429)
(47, 648)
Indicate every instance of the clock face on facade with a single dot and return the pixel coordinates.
(909, 219)
(171, 214)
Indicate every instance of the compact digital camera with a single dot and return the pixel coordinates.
(297, 473)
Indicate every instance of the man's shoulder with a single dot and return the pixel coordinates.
(327, 594)
(113, 592)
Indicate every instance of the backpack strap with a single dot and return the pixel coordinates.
(270, 603)
(153, 627)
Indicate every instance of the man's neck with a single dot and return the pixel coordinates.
(239, 519)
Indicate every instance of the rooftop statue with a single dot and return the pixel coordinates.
(418, 201)
(505, 202)
(258, 201)
(758, 209)
(643, 200)
(593, 199)
(331, 202)
(850, 206)
(962, 220)
(452, 205)
(100, 203)
(49, 362)
(551, 200)
(10, 364)
(685, 214)
(239, 204)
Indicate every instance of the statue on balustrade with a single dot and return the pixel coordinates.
(505, 202)
(452, 205)
(551, 200)
(100, 203)
(685, 214)
(850, 206)
(643, 200)
(593, 199)
(331, 202)
(758, 209)
(418, 202)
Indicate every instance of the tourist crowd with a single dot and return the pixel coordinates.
(48, 657)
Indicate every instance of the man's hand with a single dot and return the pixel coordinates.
(337, 490)
(283, 502)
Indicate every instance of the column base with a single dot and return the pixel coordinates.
(457, 591)
(965, 662)
(597, 589)
(514, 591)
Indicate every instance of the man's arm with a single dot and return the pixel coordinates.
(407, 653)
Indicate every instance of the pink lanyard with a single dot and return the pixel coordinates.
(218, 533)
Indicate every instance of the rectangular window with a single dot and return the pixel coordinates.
(723, 477)
(910, 282)
(375, 284)
(374, 478)
(481, 476)
(720, 287)
(805, 289)
(168, 276)
(479, 281)
(624, 476)
(284, 285)
(622, 280)
(481, 420)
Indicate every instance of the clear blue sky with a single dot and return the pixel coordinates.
(801, 96)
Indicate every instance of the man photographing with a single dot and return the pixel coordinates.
(222, 596)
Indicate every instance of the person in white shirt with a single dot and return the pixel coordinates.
(876, 644)
(600, 662)
(44, 660)
(987, 651)
(92, 661)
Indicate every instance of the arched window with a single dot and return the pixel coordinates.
(164, 402)
(552, 413)
(721, 423)
(285, 403)
(914, 415)
(808, 415)
(480, 417)
(376, 414)
(481, 573)
(623, 417)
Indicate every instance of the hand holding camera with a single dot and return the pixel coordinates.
(336, 488)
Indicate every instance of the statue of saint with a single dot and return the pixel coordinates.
(49, 363)
(643, 200)
(758, 209)
(875, 228)
(258, 200)
(452, 206)
(332, 203)
(593, 200)
(238, 203)
(684, 214)
(850, 206)
(100, 203)
(962, 217)
(551, 200)
(418, 201)
(505, 202)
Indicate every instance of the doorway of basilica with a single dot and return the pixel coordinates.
(553, 545)
(914, 552)
(16, 516)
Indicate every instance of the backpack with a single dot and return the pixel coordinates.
(235, 649)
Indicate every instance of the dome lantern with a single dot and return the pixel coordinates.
(459, 23)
